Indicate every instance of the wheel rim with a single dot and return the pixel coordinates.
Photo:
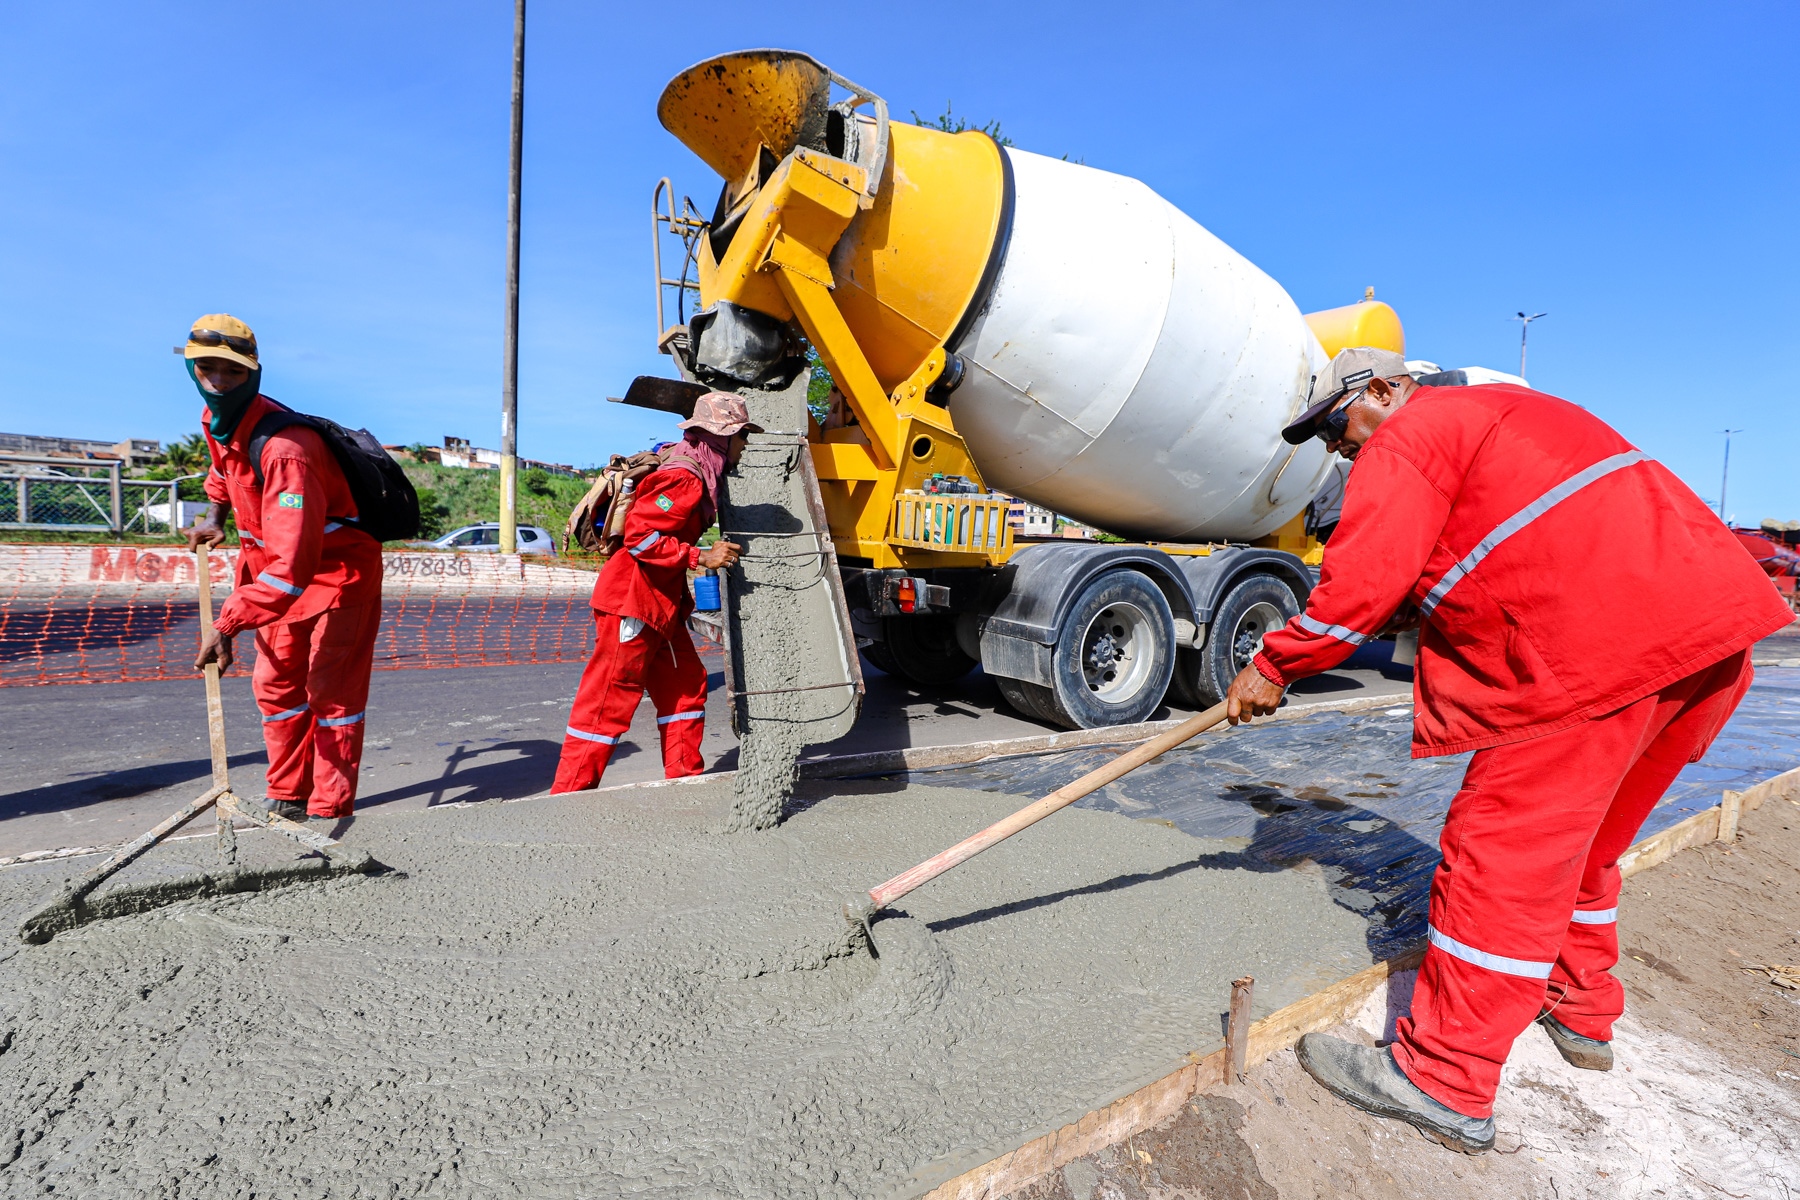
(1246, 640)
(1117, 653)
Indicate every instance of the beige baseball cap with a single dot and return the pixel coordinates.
(721, 413)
(221, 335)
(1352, 368)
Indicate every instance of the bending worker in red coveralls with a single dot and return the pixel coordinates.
(641, 604)
(308, 581)
(1586, 631)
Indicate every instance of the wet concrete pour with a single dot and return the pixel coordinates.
(598, 996)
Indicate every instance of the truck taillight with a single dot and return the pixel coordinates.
(907, 595)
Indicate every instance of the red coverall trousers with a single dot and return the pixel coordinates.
(311, 682)
(1525, 902)
(611, 686)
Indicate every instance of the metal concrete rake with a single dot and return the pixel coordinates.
(76, 904)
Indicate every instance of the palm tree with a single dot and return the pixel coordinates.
(189, 455)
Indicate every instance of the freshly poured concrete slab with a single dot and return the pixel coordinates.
(1342, 792)
(607, 996)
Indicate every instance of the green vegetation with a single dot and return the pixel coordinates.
(450, 497)
(818, 388)
(91, 537)
(949, 122)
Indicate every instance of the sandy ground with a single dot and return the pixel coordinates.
(1705, 1101)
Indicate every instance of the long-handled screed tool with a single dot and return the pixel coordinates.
(861, 908)
(75, 905)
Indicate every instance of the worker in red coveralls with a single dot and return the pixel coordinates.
(308, 581)
(641, 604)
(1586, 625)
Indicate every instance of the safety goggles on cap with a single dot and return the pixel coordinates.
(1337, 422)
(1350, 369)
(212, 337)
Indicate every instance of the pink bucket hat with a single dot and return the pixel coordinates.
(721, 413)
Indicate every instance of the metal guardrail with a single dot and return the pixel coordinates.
(973, 524)
(84, 495)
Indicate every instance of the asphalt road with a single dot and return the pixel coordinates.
(96, 764)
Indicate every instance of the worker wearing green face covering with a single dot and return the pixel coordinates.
(308, 581)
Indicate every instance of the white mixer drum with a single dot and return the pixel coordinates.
(1134, 372)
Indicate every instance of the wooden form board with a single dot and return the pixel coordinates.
(1160, 1099)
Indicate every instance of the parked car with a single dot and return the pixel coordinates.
(533, 539)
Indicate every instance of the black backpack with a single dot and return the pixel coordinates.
(387, 507)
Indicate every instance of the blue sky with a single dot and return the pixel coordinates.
(335, 174)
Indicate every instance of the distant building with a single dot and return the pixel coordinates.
(1028, 519)
(133, 452)
(457, 452)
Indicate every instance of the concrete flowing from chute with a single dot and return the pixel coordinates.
(607, 995)
(785, 645)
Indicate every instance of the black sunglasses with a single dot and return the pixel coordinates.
(212, 337)
(1337, 422)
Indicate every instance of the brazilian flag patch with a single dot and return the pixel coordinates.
(664, 503)
(291, 500)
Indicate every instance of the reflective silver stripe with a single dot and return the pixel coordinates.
(1524, 517)
(248, 538)
(1594, 916)
(331, 525)
(1337, 631)
(646, 543)
(1494, 962)
(693, 716)
(280, 585)
(340, 720)
(282, 716)
(592, 737)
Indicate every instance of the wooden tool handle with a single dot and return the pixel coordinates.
(215, 705)
(1032, 813)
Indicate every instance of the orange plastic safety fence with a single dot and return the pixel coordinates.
(108, 614)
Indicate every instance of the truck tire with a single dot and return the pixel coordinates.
(924, 649)
(1254, 607)
(1115, 652)
(1029, 700)
(877, 655)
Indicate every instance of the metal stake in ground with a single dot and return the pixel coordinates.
(71, 906)
(860, 908)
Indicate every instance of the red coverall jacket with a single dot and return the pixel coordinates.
(1562, 573)
(648, 578)
(298, 560)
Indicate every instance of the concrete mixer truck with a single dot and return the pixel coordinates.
(1002, 324)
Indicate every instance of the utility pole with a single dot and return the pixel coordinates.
(1725, 475)
(1524, 328)
(509, 388)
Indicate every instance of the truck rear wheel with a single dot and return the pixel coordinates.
(1114, 654)
(923, 649)
(1252, 609)
(1028, 699)
(877, 655)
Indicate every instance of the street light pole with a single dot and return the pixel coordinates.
(1524, 328)
(509, 393)
(1725, 475)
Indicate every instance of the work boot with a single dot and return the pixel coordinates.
(1584, 1052)
(292, 810)
(1370, 1079)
